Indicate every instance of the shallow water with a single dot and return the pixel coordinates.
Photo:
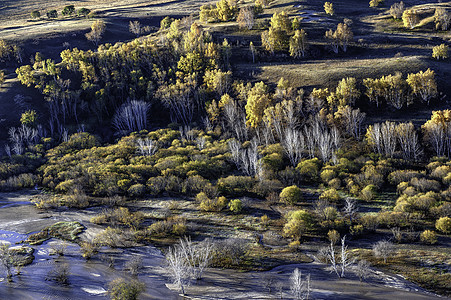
(86, 279)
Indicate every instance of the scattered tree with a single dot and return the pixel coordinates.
(410, 18)
(442, 18)
(131, 116)
(383, 249)
(178, 267)
(135, 28)
(375, 3)
(440, 52)
(300, 287)
(341, 37)
(68, 10)
(329, 8)
(52, 14)
(423, 85)
(362, 269)
(6, 260)
(253, 51)
(245, 17)
(35, 14)
(96, 33)
(2, 77)
(298, 44)
(347, 91)
(396, 10)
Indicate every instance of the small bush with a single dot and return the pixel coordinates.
(88, 249)
(399, 176)
(368, 193)
(428, 237)
(206, 204)
(298, 222)
(330, 195)
(236, 186)
(122, 289)
(137, 190)
(235, 206)
(425, 185)
(327, 175)
(334, 183)
(444, 225)
(333, 236)
(309, 169)
(291, 195)
(114, 238)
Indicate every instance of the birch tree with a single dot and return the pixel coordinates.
(298, 44)
(300, 287)
(178, 268)
(423, 85)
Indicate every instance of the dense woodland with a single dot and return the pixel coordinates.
(164, 116)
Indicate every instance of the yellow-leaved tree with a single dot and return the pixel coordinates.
(258, 100)
(298, 44)
(347, 91)
(437, 132)
(97, 30)
(410, 18)
(423, 84)
(440, 52)
(329, 8)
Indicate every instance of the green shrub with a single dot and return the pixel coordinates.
(160, 229)
(52, 14)
(428, 237)
(236, 186)
(137, 190)
(330, 213)
(330, 195)
(194, 184)
(206, 204)
(369, 222)
(35, 14)
(444, 225)
(291, 195)
(235, 206)
(357, 230)
(368, 193)
(298, 222)
(265, 187)
(68, 10)
(334, 183)
(124, 184)
(327, 175)
(122, 289)
(309, 169)
(83, 12)
(156, 185)
(273, 162)
(333, 236)
(399, 176)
